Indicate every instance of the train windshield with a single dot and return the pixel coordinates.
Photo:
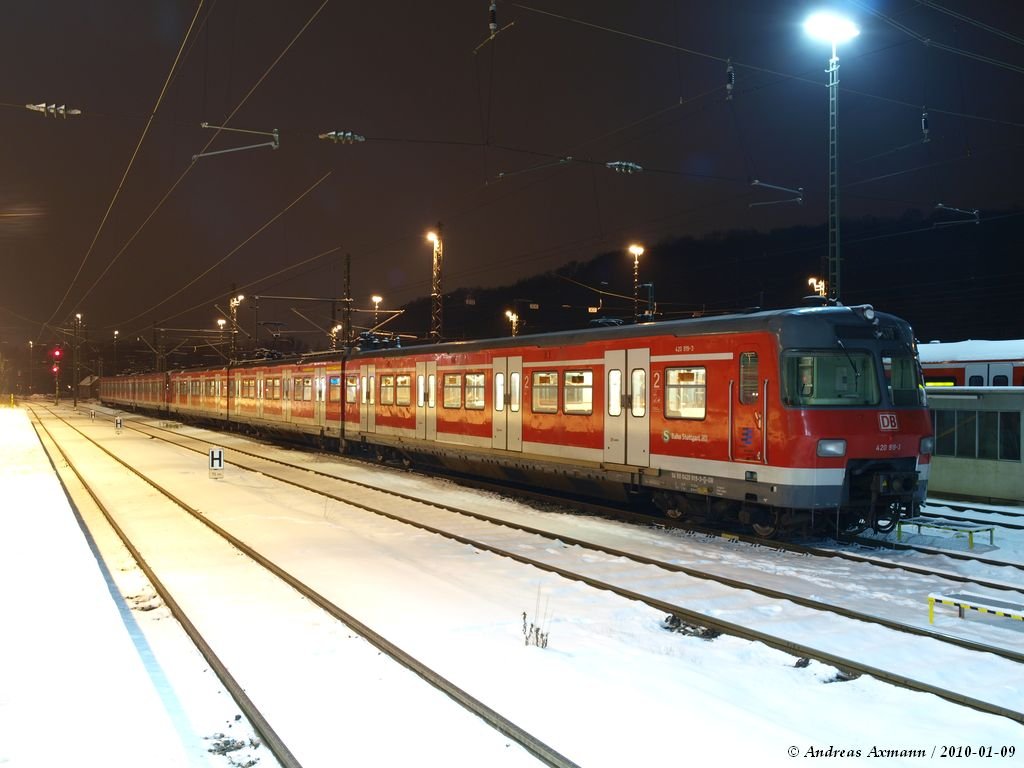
(838, 377)
(903, 379)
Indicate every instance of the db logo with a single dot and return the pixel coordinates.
(887, 422)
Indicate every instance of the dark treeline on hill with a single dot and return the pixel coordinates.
(950, 281)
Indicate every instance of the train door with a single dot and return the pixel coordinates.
(367, 415)
(746, 409)
(627, 418)
(426, 400)
(320, 396)
(976, 375)
(507, 413)
(1000, 374)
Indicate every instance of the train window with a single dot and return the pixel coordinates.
(614, 392)
(1002, 380)
(976, 381)
(579, 392)
(829, 377)
(499, 391)
(403, 385)
(685, 393)
(749, 379)
(453, 390)
(515, 388)
(273, 389)
(387, 389)
(421, 395)
(903, 379)
(545, 392)
(475, 391)
(351, 388)
(638, 392)
(334, 389)
(371, 389)
(431, 390)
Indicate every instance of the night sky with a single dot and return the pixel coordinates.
(477, 141)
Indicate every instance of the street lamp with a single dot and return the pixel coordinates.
(637, 251)
(376, 306)
(832, 29)
(221, 322)
(234, 303)
(817, 285)
(436, 306)
(513, 321)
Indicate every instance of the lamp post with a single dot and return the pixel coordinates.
(436, 305)
(31, 365)
(234, 303)
(817, 285)
(221, 322)
(513, 321)
(116, 334)
(832, 29)
(637, 251)
(376, 306)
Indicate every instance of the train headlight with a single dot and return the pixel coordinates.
(831, 448)
(927, 446)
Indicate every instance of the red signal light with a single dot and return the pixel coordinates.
(55, 369)
(56, 353)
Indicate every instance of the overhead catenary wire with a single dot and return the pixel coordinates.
(229, 254)
(131, 162)
(213, 138)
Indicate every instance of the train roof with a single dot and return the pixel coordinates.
(971, 350)
(796, 327)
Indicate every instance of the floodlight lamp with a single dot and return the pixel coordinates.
(432, 237)
(636, 250)
(830, 28)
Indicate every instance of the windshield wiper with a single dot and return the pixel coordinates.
(856, 373)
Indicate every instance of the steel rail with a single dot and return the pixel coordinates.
(632, 556)
(262, 726)
(688, 615)
(499, 722)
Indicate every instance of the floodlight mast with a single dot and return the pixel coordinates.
(832, 29)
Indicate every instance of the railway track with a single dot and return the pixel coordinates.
(261, 723)
(486, 541)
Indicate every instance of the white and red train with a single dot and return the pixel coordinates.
(973, 363)
(778, 419)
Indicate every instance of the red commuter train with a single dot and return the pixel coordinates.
(973, 363)
(811, 417)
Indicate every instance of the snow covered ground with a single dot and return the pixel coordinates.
(611, 688)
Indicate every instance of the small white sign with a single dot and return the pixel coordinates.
(118, 424)
(216, 466)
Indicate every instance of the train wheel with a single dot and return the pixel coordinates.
(767, 525)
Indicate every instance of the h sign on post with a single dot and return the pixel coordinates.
(118, 424)
(216, 463)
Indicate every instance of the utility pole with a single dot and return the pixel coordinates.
(346, 315)
(74, 367)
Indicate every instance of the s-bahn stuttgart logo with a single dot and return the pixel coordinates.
(887, 422)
